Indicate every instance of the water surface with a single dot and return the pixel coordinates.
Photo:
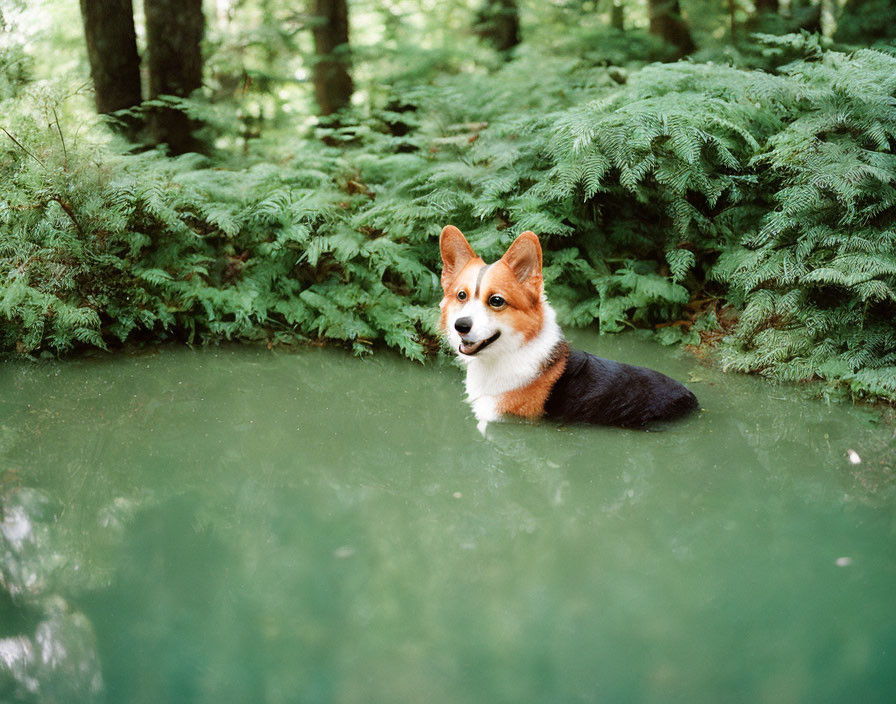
(244, 525)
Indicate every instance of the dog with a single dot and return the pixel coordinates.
(497, 318)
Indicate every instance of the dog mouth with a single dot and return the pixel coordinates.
(472, 348)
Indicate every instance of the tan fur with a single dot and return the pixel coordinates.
(523, 300)
(466, 280)
(524, 257)
(456, 252)
(529, 400)
(517, 278)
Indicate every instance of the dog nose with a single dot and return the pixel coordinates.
(463, 325)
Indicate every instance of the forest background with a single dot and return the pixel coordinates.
(714, 174)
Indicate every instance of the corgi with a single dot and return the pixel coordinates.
(497, 319)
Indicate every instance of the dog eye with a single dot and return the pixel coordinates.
(461, 295)
(496, 302)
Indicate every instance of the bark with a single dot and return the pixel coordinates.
(828, 18)
(174, 30)
(333, 85)
(666, 23)
(498, 23)
(112, 52)
(617, 15)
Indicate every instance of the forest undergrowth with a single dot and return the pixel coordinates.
(748, 213)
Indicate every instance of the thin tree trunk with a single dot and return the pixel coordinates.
(112, 52)
(174, 30)
(666, 23)
(333, 85)
(617, 14)
(828, 18)
(498, 23)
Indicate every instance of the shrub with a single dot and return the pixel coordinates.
(671, 197)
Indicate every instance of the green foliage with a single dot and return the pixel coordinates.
(663, 194)
(148, 247)
(771, 193)
(15, 64)
(818, 280)
(865, 22)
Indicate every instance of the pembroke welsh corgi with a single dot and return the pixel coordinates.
(497, 318)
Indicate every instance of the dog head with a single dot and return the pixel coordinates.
(490, 309)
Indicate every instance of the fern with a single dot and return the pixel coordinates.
(664, 194)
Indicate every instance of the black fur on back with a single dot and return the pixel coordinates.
(595, 390)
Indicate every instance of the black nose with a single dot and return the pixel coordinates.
(463, 325)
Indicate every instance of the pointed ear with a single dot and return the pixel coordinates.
(524, 257)
(456, 252)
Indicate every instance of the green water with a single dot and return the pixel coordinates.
(239, 525)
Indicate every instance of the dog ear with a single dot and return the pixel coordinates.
(524, 257)
(456, 252)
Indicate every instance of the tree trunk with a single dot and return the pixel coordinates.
(666, 23)
(828, 18)
(333, 85)
(174, 30)
(112, 52)
(617, 14)
(498, 23)
(765, 6)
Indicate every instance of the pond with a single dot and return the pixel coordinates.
(243, 525)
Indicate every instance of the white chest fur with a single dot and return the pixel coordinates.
(512, 365)
(485, 408)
